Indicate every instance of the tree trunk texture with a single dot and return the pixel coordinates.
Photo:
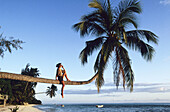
(6, 75)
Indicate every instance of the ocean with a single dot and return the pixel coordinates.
(135, 107)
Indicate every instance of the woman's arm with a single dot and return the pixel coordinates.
(65, 74)
(56, 75)
(63, 67)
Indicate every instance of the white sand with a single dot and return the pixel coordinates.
(22, 108)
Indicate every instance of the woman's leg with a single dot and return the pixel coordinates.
(65, 75)
(62, 89)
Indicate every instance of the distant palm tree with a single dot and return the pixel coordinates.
(51, 91)
(110, 25)
(7, 45)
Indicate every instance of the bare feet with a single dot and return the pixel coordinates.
(68, 80)
(62, 95)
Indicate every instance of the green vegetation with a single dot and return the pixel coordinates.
(14, 109)
(20, 91)
(110, 25)
(7, 45)
(51, 91)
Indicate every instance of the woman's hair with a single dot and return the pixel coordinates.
(58, 64)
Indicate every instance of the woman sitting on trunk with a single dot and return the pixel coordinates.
(61, 73)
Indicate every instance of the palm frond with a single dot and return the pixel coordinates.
(135, 41)
(91, 46)
(127, 6)
(121, 71)
(101, 62)
(98, 22)
(124, 14)
(97, 62)
(86, 28)
(51, 91)
(107, 47)
(98, 4)
(126, 20)
(7, 45)
(94, 16)
(122, 66)
(149, 36)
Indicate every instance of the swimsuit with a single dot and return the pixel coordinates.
(60, 78)
(60, 75)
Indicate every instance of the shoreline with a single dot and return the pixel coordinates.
(22, 108)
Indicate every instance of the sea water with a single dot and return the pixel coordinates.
(107, 108)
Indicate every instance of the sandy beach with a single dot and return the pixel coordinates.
(22, 108)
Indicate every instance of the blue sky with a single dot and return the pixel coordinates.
(46, 27)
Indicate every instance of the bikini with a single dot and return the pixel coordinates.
(60, 75)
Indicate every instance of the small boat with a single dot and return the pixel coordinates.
(99, 106)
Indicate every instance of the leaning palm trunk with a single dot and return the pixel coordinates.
(5, 75)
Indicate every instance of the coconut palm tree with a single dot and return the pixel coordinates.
(51, 91)
(7, 45)
(110, 27)
(34, 72)
(6, 75)
(24, 91)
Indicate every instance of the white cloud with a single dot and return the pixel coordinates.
(91, 91)
(153, 90)
(138, 88)
(165, 2)
(139, 84)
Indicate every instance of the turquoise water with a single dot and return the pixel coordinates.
(106, 108)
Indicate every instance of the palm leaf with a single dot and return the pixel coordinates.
(98, 4)
(102, 60)
(126, 67)
(89, 49)
(127, 6)
(144, 34)
(135, 41)
(124, 14)
(87, 28)
(98, 22)
(126, 20)
(7, 45)
(51, 91)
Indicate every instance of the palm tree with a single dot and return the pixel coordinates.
(51, 91)
(6, 75)
(34, 72)
(20, 91)
(110, 26)
(7, 45)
